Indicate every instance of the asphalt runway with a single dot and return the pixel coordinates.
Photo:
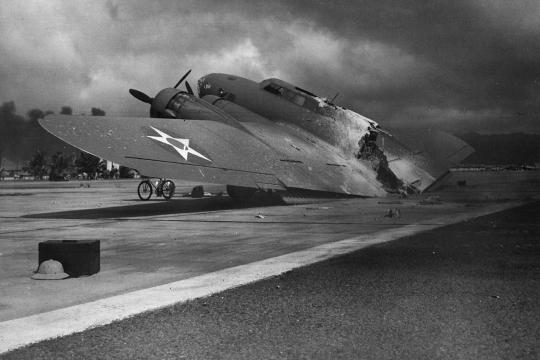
(156, 243)
(465, 291)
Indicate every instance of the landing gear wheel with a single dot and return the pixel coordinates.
(167, 188)
(144, 190)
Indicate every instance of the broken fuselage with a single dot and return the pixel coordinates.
(285, 116)
(237, 100)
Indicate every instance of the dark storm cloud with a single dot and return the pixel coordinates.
(478, 56)
(453, 64)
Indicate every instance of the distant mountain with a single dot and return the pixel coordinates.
(503, 149)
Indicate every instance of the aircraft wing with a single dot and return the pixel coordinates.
(198, 150)
(208, 151)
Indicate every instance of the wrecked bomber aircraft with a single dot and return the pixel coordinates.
(269, 136)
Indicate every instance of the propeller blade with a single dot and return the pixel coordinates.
(182, 79)
(139, 95)
(189, 89)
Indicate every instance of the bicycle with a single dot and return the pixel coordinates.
(162, 187)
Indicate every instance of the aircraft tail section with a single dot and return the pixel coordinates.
(420, 157)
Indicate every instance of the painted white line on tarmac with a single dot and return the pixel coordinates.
(31, 329)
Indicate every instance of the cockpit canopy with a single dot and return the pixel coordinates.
(296, 95)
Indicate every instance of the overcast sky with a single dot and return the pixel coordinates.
(454, 65)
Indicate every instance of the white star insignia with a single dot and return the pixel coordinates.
(181, 146)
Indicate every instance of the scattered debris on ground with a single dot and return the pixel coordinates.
(16, 194)
(393, 213)
(197, 192)
(259, 216)
(431, 200)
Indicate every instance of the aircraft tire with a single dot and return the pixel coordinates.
(167, 189)
(240, 192)
(144, 190)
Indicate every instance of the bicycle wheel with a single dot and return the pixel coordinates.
(167, 189)
(144, 190)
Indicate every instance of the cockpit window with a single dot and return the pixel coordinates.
(274, 89)
(297, 96)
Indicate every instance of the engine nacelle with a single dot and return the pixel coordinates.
(185, 106)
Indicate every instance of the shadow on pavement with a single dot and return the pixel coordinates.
(175, 206)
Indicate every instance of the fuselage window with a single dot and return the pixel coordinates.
(289, 95)
(293, 96)
(299, 100)
(305, 102)
(311, 104)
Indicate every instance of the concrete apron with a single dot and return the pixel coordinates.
(31, 329)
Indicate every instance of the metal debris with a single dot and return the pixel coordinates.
(197, 192)
(431, 200)
(393, 212)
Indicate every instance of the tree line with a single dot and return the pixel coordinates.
(84, 166)
(23, 140)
